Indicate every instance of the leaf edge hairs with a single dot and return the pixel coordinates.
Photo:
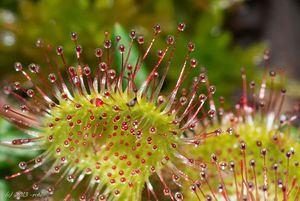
(260, 162)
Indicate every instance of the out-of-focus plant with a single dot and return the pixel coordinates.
(252, 151)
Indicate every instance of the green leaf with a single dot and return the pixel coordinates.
(134, 53)
(4, 191)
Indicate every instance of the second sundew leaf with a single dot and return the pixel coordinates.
(134, 54)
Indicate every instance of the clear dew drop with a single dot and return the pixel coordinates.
(140, 40)
(135, 124)
(75, 79)
(70, 178)
(24, 108)
(132, 34)
(50, 190)
(118, 38)
(230, 131)
(193, 63)
(35, 186)
(250, 186)
(223, 165)
(117, 193)
(51, 77)
(59, 50)
(98, 52)
(175, 178)
(22, 165)
(88, 171)
(30, 93)
(160, 100)
(83, 198)
(107, 44)
(97, 179)
(87, 70)
(39, 43)
(220, 188)
(152, 169)
(152, 130)
(17, 85)
(160, 53)
(181, 26)
(232, 166)
(212, 89)
(122, 48)
(202, 97)
(18, 66)
(112, 74)
(191, 47)
(208, 197)
(33, 68)
(183, 100)
(178, 196)
(56, 169)
(73, 36)
(211, 113)
(170, 40)
(166, 191)
(280, 183)
(193, 188)
(102, 197)
(103, 66)
(157, 29)
(6, 107)
(6, 90)
(78, 49)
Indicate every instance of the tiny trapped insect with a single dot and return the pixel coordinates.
(132, 102)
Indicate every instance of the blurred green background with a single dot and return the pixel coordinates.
(223, 46)
(23, 22)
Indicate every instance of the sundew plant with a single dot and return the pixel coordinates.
(109, 132)
(260, 160)
(97, 128)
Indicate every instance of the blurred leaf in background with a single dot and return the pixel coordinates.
(3, 190)
(10, 157)
(52, 20)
